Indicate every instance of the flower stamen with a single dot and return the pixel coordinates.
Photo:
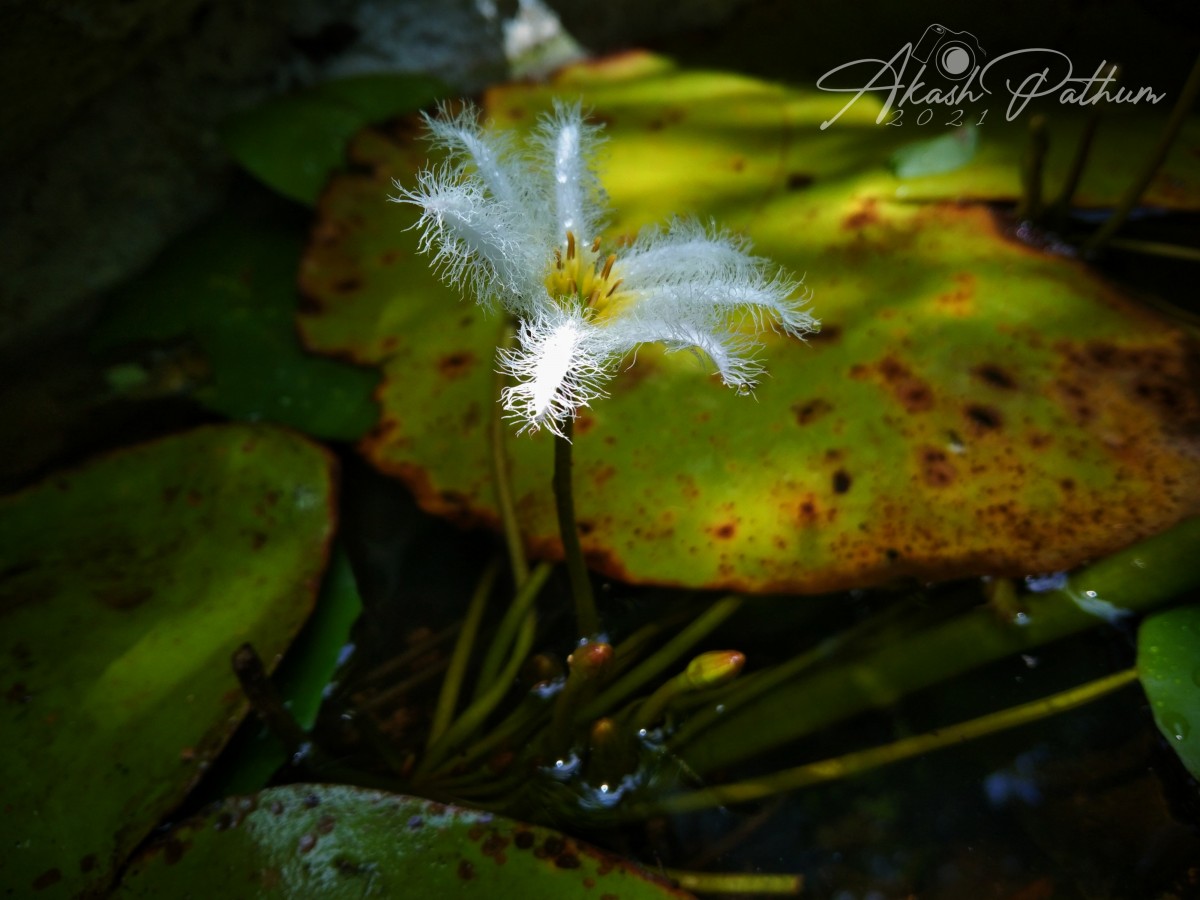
(570, 246)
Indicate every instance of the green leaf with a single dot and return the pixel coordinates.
(294, 143)
(302, 678)
(322, 841)
(973, 405)
(229, 286)
(1169, 666)
(125, 586)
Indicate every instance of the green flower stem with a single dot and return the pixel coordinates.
(587, 623)
(483, 706)
(1187, 99)
(500, 473)
(506, 631)
(861, 761)
(708, 670)
(398, 690)
(1156, 248)
(452, 683)
(265, 700)
(737, 882)
(1062, 203)
(657, 663)
(589, 664)
(1032, 164)
(747, 688)
(419, 649)
(522, 721)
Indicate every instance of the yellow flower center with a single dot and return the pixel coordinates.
(581, 275)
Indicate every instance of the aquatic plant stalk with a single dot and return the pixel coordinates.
(1130, 581)
(856, 763)
(507, 630)
(586, 622)
(483, 706)
(457, 670)
(1032, 164)
(737, 882)
(1187, 99)
(1062, 203)
(657, 663)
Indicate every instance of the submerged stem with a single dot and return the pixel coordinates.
(485, 704)
(737, 882)
(856, 763)
(1187, 98)
(587, 622)
(452, 683)
(655, 664)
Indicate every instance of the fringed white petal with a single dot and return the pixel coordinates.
(577, 195)
(491, 153)
(557, 369)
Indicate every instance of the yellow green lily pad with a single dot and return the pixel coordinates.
(331, 841)
(973, 404)
(125, 587)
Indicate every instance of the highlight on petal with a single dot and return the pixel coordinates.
(556, 370)
(578, 196)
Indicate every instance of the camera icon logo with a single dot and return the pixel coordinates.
(954, 52)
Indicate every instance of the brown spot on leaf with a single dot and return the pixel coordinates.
(983, 418)
(827, 335)
(725, 532)
(566, 861)
(466, 871)
(307, 842)
(811, 410)
(46, 879)
(494, 846)
(936, 468)
(995, 376)
(523, 840)
(841, 481)
(456, 365)
(347, 285)
(798, 180)
(88, 863)
(866, 214)
(912, 392)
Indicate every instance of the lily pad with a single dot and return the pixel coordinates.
(972, 405)
(125, 586)
(1169, 667)
(229, 286)
(324, 841)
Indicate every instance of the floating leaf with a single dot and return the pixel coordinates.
(302, 680)
(293, 143)
(230, 286)
(972, 405)
(324, 841)
(125, 586)
(1169, 667)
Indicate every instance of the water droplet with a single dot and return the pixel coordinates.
(1176, 725)
(1022, 619)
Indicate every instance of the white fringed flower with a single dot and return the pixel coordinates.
(523, 228)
